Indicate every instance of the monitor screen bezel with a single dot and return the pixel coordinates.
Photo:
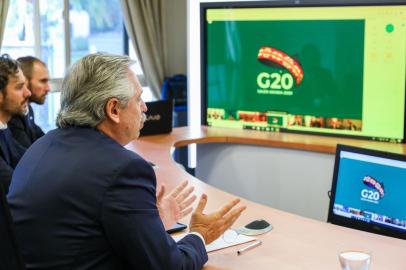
(278, 4)
(352, 223)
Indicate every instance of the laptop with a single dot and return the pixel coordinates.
(368, 191)
(159, 117)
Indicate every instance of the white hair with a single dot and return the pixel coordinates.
(89, 84)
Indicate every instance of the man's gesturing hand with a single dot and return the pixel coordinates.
(212, 226)
(175, 205)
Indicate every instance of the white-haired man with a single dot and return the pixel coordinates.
(80, 200)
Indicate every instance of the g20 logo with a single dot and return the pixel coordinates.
(275, 81)
(276, 58)
(370, 194)
(375, 191)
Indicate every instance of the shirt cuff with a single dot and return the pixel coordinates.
(198, 235)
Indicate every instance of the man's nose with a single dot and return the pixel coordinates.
(144, 107)
(47, 87)
(27, 92)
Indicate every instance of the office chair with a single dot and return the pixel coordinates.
(10, 256)
(175, 88)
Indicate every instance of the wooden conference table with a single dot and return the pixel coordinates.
(295, 242)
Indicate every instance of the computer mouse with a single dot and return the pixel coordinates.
(256, 227)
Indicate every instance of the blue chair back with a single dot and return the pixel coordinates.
(175, 88)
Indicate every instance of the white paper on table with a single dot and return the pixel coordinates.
(219, 243)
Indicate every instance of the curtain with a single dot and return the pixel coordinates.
(144, 20)
(3, 16)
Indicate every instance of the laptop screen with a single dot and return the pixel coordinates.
(368, 191)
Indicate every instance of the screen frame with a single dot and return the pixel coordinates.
(278, 4)
(352, 223)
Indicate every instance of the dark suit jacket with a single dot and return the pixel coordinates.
(80, 200)
(10, 154)
(24, 129)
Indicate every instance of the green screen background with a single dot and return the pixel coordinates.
(330, 53)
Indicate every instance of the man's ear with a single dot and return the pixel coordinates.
(113, 110)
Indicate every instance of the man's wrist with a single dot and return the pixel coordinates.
(199, 235)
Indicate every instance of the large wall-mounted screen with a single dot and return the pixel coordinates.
(336, 70)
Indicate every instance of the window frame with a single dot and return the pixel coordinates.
(57, 81)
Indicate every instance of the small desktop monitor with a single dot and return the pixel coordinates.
(368, 191)
(327, 67)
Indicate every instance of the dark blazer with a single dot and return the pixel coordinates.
(24, 129)
(79, 200)
(10, 154)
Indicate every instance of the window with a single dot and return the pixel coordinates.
(51, 40)
(39, 28)
(147, 93)
(19, 32)
(96, 26)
